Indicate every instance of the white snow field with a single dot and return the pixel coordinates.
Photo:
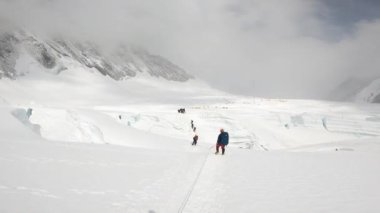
(81, 142)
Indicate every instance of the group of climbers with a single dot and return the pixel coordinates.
(222, 141)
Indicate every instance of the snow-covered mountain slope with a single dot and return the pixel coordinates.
(348, 89)
(79, 86)
(371, 93)
(358, 90)
(57, 54)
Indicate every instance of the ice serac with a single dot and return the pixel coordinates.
(53, 54)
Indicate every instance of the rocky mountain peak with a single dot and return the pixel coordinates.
(53, 53)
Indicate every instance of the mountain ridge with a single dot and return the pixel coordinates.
(123, 62)
(357, 90)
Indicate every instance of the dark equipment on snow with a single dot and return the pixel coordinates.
(182, 110)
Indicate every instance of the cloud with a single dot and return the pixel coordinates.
(289, 48)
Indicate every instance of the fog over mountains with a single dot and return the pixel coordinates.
(293, 49)
(346, 71)
(121, 62)
(126, 61)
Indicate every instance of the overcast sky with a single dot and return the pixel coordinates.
(271, 48)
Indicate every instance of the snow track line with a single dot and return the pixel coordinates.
(188, 195)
